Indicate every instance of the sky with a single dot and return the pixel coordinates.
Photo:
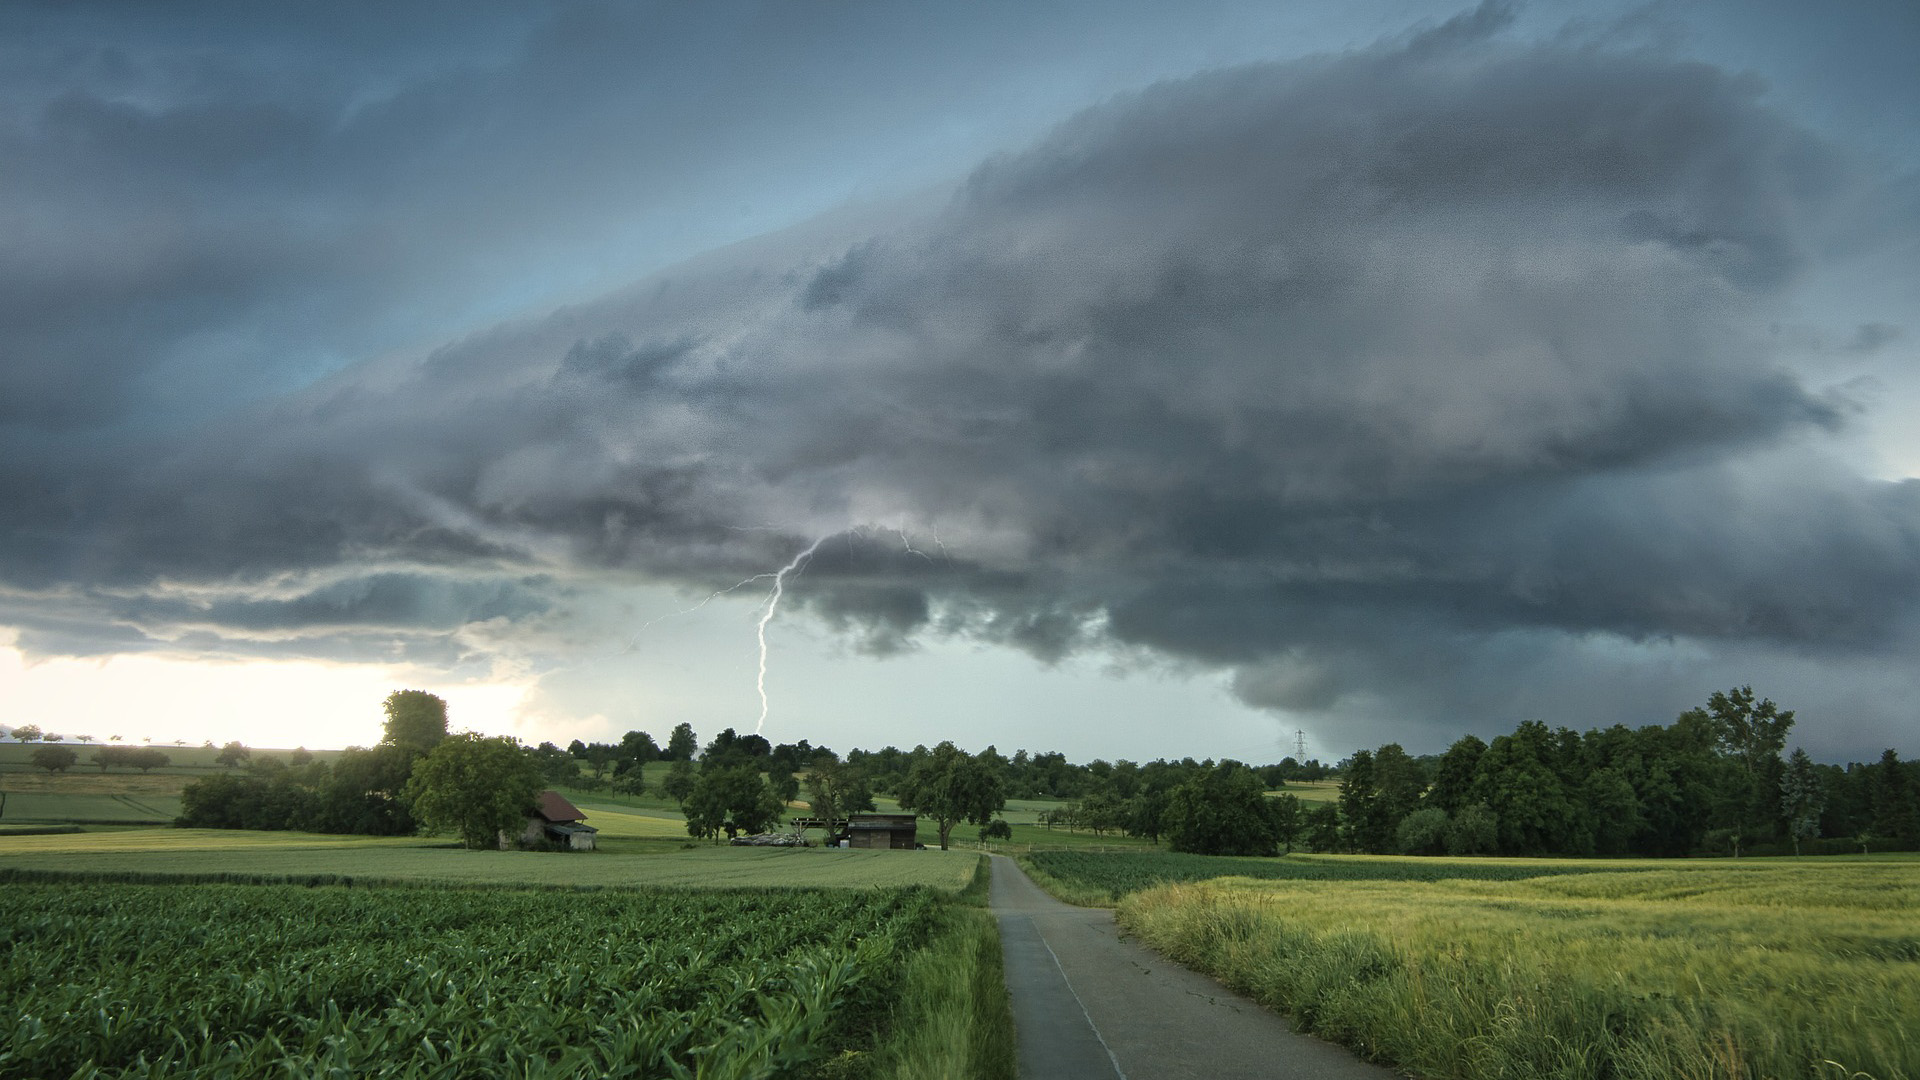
(1127, 379)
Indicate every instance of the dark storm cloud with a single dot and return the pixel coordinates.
(1388, 375)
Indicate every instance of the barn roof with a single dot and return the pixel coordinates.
(555, 808)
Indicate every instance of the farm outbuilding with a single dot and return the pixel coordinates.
(555, 820)
(866, 830)
(882, 831)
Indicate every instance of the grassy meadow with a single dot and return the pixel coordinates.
(1709, 970)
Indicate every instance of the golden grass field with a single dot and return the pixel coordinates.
(1690, 972)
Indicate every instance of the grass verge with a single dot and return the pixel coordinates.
(953, 1020)
(1787, 971)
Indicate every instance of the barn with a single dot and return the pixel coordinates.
(882, 831)
(865, 830)
(555, 820)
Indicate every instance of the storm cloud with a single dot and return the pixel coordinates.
(1415, 384)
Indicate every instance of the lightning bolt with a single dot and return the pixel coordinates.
(907, 542)
(766, 616)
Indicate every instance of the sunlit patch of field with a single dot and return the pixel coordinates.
(1759, 969)
(616, 822)
(250, 855)
(39, 797)
(1310, 791)
(81, 781)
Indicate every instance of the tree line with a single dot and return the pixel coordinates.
(1716, 780)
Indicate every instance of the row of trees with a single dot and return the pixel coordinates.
(57, 759)
(362, 790)
(1714, 780)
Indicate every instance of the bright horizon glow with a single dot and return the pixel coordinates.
(277, 704)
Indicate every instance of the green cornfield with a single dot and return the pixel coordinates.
(159, 981)
(1101, 878)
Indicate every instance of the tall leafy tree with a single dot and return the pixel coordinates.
(835, 790)
(1367, 828)
(1221, 811)
(950, 786)
(1517, 780)
(1323, 827)
(416, 720)
(475, 787)
(1453, 780)
(638, 748)
(682, 743)
(1751, 734)
(732, 798)
(678, 783)
(1288, 820)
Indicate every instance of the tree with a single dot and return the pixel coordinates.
(951, 786)
(1323, 827)
(638, 747)
(233, 755)
(1475, 830)
(1367, 828)
(415, 719)
(1423, 832)
(997, 829)
(734, 798)
(1288, 821)
(300, 757)
(474, 786)
(1453, 781)
(1801, 798)
(148, 759)
(54, 758)
(362, 793)
(1751, 734)
(84, 738)
(682, 743)
(27, 733)
(834, 790)
(1221, 811)
(678, 783)
(1517, 781)
(1896, 801)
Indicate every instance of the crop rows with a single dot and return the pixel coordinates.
(1120, 873)
(257, 981)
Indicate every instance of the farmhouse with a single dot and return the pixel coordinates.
(555, 820)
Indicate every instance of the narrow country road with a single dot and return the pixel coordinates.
(1089, 1006)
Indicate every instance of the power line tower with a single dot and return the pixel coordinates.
(1299, 746)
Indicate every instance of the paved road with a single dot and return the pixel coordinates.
(1089, 1006)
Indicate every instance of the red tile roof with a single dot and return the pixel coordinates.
(555, 808)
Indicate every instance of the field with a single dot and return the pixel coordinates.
(1480, 968)
(212, 853)
(248, 981)
(37, 797)
(1310, 791)
(1101, 879)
